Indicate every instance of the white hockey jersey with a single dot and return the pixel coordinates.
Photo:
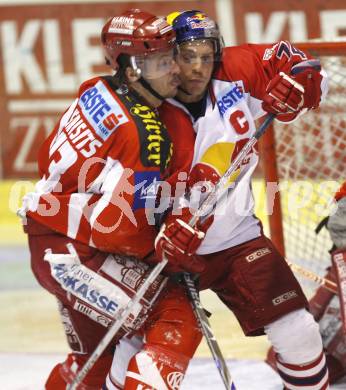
(233, 104)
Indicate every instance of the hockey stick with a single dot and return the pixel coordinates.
(211, 199)
(121, 316)
(205, 208)
(118, 322)
(208, 333)
(326, 283)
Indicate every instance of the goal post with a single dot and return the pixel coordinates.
(307, 162)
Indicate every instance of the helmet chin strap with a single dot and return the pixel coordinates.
(151, 90)
(143, 81)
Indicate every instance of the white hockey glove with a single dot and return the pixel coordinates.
(337, 225)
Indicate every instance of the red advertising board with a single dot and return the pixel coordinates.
(296, 20)
(47, 51)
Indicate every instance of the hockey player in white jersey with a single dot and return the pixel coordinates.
(224, 91)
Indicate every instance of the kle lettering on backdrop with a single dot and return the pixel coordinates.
(47, 52)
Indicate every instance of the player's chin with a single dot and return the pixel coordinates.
(199, 88)
(172, 91)
(195, 88)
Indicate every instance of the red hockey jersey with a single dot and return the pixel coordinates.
(101, 166)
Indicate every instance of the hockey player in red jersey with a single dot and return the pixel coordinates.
(89, 221)
(325, 305)
(224, 92)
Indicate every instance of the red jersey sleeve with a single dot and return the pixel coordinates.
(257, 64)
(182, 135)
(341, 193)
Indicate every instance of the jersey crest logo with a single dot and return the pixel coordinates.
(229, 99)
(146, 184)
(101, 110)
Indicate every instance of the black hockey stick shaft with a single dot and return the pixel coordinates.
(209, 202)
(208, 333)
(123, 315)
(205, 208)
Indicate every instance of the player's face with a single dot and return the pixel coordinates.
(196, 62)
(161, 71)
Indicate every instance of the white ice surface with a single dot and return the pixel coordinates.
(29, 371)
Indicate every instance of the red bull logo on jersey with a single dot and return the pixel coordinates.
(230, 99)
(219, 157)
(101, 110)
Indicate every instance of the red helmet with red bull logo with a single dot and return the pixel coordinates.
(135, 32)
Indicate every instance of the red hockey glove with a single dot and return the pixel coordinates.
(307, 73)
(288, 95)
(178, 242)
(284, 95)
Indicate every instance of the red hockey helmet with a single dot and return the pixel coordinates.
(135, 32)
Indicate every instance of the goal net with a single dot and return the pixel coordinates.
(308, 160)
